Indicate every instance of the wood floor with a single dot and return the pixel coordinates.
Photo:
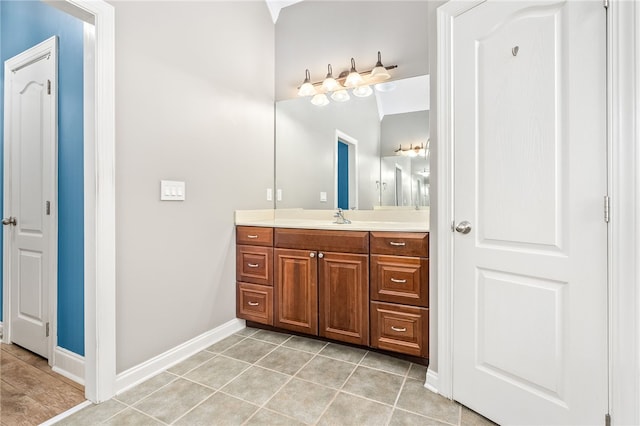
(30, 391)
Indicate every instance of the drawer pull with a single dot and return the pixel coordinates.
(395, 280)
(397, 244)
(401, 330)
(253, 265)
(253, 237)
(253, 303)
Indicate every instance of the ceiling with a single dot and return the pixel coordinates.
(276, 5)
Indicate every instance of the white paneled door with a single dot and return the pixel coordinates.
(30, 188)
(530, 251)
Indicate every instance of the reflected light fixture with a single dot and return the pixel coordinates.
(379, 73)
(354, 78)
(363, 91)
(340, 96)
(320, 99)
(411, 151)
(330, 84)
(307, 88)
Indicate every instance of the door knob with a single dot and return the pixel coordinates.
(463, 227)
(10, 221)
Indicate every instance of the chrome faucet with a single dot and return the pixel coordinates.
(339, 215)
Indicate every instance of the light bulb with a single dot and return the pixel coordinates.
(307, 89)
(330, 84)
(379, 72)
(353, 79)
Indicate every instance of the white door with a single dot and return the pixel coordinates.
(530, 277)
(30, 189)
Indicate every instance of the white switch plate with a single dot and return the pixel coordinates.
(323, 197)
(269, 194)
(172, 190)
(279, 194)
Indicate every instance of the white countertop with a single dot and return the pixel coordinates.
(361, 220)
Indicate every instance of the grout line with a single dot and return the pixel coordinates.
(195, 406)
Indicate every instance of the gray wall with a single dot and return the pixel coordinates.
(194, 102)
(306, 149)
(406, 129)
(312, 34)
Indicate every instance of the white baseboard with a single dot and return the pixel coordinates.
(68, 364)
(432, 381)
(1, 332)
(141, 372)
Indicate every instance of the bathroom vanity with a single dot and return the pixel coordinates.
(364, 283)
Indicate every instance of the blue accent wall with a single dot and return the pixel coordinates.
(23, 24)
(343, 175)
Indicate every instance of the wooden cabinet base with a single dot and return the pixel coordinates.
(254, 302)
(400, 328)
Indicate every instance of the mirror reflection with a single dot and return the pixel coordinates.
(367, 153)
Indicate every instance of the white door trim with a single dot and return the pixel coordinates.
(353, 143)
(49, 46)
(624, 158)
(99, 214)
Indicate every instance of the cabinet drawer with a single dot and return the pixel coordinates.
(254, 264)
(254, 303)
(321, 240)
(400, 279)
(400, 243)
(254, 235)
(400, 328)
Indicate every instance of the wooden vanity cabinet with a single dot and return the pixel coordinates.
(254, 274)
(400, 292)
(323, 292)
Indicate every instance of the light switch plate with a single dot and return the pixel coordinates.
(279, 194)
(172, 190)
(323, 197)
(269, 194)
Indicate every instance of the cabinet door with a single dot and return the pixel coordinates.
(296, 286)
(344, 297)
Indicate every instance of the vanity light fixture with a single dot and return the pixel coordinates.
(411, 151)
(359, 83)
(320, 99)
(330, 84)
(354, 78)
(307, 88)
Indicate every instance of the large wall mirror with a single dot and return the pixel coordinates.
(368, 152)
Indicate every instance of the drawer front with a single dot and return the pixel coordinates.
(400, 243)
(320, 240)
(254, 264)
(254, 303)
(400, 328)
(400, 279)
(254, 236)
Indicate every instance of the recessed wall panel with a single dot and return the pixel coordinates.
(30, 289)
(518, 135)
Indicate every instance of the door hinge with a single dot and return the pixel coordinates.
(605, 3)
(48, 208)
(607, 208)
(47, 330)
(607, 419)
(48, 87)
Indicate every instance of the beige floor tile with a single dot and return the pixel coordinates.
(471, 418)
(302, 400)
(418, 372)
(247, 331)
(267, 417)
(190, 363)
(271, 336)
(249, 350)
(131, 417)
(219, 409)
(351, 410)
(285, 360)
(256, 385)
(405, 418)
(343, 353)
(386, 363)
(416, 398)
(225, 344)
(305, 344)
(173, 400)
(94, 414)
(144, 389)
(326, 371)
(374, 384)
(218, 371)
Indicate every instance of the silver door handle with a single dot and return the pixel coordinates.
(10, 221)
(252, 236)
(395, 280)
(253, 265)
(400, 244)
(253, 303)
(399, 330)
(463, 227)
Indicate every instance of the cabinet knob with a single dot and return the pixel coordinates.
(320, 255)
(312, 254)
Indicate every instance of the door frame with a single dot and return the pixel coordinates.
(99, 201)
(25, 58)
(623, 82)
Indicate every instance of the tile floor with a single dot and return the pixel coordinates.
(259, 377)
(30, 392)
